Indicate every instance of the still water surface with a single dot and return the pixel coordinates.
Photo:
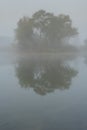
(43, 93)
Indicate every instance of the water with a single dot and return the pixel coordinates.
(43, 93)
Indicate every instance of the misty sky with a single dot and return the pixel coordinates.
(12, 10)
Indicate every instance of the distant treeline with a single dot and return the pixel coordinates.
(44, 31)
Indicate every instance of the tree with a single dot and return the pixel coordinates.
(44, 27)
(24, 32)
(41, 20)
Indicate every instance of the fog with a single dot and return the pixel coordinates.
(11, 11)
(43, 65)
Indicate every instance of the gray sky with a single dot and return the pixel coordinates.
(12, 10)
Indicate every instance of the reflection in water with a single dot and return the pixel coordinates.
(44, 76)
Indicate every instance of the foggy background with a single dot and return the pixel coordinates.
(12, 10)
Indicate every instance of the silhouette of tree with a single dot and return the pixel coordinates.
(44, 27)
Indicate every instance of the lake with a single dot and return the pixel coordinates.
(43, 92)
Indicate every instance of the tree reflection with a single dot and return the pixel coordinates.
(44, 76)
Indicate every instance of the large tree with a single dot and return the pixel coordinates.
(44, 27)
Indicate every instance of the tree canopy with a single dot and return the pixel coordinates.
(44, 27)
